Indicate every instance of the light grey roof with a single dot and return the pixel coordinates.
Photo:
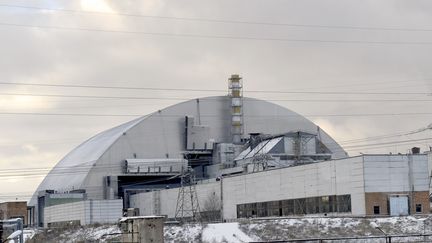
(263, 148)
(70, 172)
(160, 135)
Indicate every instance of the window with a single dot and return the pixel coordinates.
(419, 208)
(343, 203)
(376, 209)
(241, 211)
(287, 207)
(262, 209)
(324, 204)
(274, 208)
(332, 204)
(312, 206)
(251, 210)
(299, 206)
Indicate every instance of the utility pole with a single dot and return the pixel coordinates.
(187, 208)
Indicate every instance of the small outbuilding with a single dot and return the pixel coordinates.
(143, 229)
(14, 210)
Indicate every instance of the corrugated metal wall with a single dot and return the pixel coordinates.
(86, 212)
(396, 173)
(168, 199)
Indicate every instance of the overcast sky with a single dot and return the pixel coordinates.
(367, 46)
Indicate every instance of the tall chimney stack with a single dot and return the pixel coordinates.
(236, 93)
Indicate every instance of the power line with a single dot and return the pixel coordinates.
(380, 137)
(210, 90)
(113, 87)
(221, 21)
(83, 169)
(220, 37)
(209, 98)
(39, 142)
(92, 96)
(67, 114)
(177, 116)
(80, 169)
(381, 147)
(387, 143)
(343, 142)
(372, 138)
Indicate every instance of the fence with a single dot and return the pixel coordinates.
(10, 226)
(363, 239)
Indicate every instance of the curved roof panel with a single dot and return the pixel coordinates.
(79, 161)
(160, 135)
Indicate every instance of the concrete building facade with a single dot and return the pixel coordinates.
(360, 186)
(250, 158)
(145, 154)
(84, 212)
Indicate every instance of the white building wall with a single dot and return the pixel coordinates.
(104, 211)
(87, 212)
(144, 201)
(168, 199)
(429, 154)
(353, 176)
(396, 173)
(64, 212)
(336, 177)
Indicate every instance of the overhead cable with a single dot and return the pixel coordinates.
(215, 37)
(210, 90)
(221, 21)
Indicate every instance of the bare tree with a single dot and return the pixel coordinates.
(211, 211)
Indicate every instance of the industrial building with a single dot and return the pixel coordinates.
(257, 158)
(14, 210)
(84, 213)
(363, 185)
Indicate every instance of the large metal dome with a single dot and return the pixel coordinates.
(161, 135)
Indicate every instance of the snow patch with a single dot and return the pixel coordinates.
(227, 232)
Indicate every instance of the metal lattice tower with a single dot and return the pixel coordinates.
(187, 208)
(260, 162)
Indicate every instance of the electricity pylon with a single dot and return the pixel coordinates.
(187, 209)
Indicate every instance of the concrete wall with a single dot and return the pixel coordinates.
(429, 154)
(65, 212)
(9, 210)
(336, 177)
(387, 175)
(381, 199)
(143, 229)
(86, 212)
(168, 199)
(396, 173)
(354, 176)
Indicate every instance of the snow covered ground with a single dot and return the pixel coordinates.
(228, 232)
(28, 234)
(306, 228)
(103, 233)
(262, 230)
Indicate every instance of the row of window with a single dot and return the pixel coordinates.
(300, 206)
